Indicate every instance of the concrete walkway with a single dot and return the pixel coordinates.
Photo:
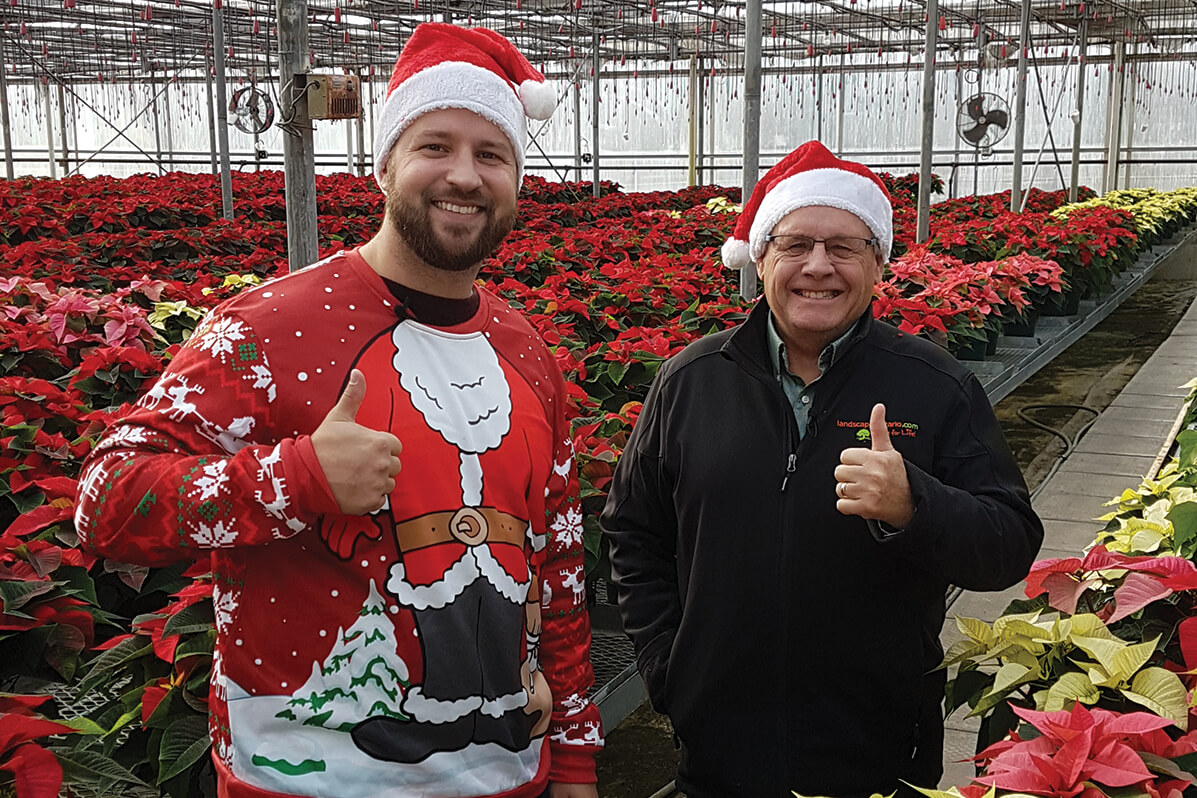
(1115, 454)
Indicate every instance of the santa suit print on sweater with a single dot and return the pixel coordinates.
(437, 646)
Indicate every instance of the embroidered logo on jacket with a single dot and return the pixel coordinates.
(897, 429)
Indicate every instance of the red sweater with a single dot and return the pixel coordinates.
(319, 614)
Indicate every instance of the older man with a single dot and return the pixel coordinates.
(796, 497)
(380, 632)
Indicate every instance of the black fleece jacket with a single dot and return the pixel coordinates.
(791, 645)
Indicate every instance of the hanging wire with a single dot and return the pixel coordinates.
(1070, 444)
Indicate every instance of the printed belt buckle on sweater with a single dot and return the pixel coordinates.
(469, 526)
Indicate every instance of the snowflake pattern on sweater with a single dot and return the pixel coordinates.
(344, 657)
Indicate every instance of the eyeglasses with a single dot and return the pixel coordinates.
(838, 248)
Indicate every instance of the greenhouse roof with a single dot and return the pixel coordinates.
(123, 40)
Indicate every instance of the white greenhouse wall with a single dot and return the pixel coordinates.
(644, 126)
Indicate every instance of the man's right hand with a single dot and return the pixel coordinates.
(360, 464)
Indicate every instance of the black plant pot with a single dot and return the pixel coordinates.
(970, 349)
(1065, 304)
(1023, 325)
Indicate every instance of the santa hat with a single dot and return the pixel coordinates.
(810, 175)
(444, 66)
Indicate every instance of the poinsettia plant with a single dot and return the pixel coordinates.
(1114, 629)
(104, 280)
(28, 768)
(1082, 752)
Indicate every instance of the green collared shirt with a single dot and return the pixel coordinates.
(801, 393)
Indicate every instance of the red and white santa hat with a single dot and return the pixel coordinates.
(810, 175)
(445, 66)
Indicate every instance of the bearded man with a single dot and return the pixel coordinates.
(380, 632)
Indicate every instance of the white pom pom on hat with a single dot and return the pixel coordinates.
(735, 254)
(810, 175)
(446, 66)
(539, 98)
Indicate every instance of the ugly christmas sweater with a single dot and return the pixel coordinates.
(438, 646)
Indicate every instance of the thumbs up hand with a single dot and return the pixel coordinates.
(360, 464)
(872, 483)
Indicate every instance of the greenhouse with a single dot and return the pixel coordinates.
(196, 599)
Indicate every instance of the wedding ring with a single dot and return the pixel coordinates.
(839, 490)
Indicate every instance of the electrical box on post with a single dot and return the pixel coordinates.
(334, 96)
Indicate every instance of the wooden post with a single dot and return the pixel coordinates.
(299, 165)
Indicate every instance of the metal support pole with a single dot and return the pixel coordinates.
(839, 123)
(982, 41)
(1114, 119)
(170, 135)
(927, 151)
(361, 137)
(1078, 111)
(594, 115)
(692, 174)
(157, 126)
(819, 99)
(49, 130)
(370, 107)
(222, 114)
(74, 97)
(577, 129)
(956, 139)
(702, 101)
(62, 129)
(4, 122)
(753, 30)
(1020, 110)
(299, 164)
(348, 147)
(211, 109)
(1133, 66)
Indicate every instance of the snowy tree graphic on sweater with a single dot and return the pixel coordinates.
(361, 677)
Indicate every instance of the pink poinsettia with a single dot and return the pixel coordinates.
(68, 318)
(1075, 747)
(126, 325)
(1149, 579)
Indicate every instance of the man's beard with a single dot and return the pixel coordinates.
(415, 228)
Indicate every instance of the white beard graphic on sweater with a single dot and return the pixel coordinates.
(458, 385)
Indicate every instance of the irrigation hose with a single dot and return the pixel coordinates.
(1069, 445)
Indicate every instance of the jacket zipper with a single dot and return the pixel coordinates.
(785, 573)
(790, 468)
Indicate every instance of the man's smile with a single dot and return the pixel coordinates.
(463, 209)
(817, 294)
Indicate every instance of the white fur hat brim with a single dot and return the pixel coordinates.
(833, 188)
(451, 84)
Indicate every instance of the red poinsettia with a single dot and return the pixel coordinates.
(32, 770)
